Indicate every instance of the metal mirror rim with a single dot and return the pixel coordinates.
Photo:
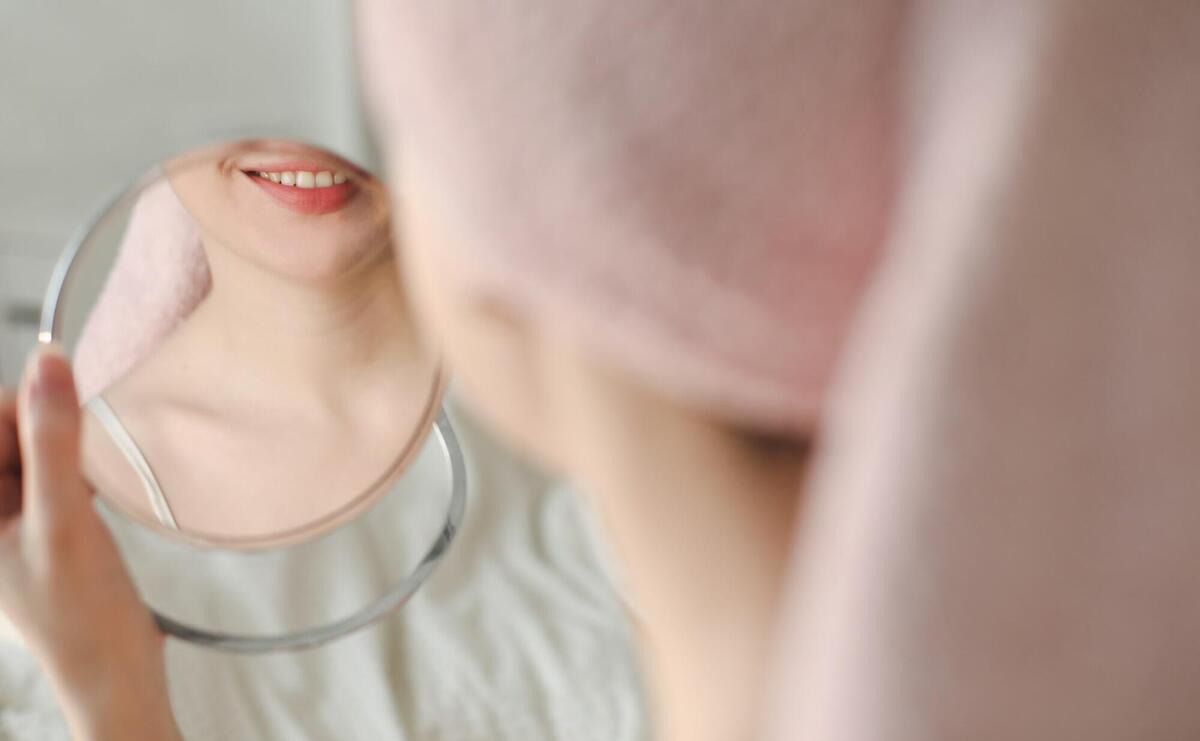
(50, 330)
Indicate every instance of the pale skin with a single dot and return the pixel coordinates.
(319, 370)
(700, 514)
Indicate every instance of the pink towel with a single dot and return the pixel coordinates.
(699, 189)
(160, 274)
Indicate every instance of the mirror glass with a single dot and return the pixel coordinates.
(262, 421)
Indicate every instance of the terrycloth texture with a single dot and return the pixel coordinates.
(159, 276)
(1007, 524)
(698, 189)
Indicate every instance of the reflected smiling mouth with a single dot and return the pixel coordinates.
(302, 178)
(309, 192)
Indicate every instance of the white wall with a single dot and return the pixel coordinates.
(92, 91)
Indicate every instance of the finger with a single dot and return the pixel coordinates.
(48, 426)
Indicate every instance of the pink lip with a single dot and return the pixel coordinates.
(310, 201)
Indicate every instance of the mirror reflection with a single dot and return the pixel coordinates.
(282, 389)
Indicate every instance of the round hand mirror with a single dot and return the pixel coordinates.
(263, 428)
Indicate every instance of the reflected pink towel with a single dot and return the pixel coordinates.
(159, 276)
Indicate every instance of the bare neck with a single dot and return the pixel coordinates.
(310, 339)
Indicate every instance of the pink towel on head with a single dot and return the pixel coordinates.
(160, 274)
(700, 190)
(1006, 518)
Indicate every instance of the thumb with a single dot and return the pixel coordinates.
(48, 422)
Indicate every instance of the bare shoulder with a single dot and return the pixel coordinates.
(108, 469)
(168, 383)
(152, 404)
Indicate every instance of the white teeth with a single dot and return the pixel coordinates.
(303, 179)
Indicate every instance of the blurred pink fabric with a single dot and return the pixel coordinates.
(1005, 519)
(160, 274)
(698, 189)
(1006, 525)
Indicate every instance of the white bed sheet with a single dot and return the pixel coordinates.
(520, 634)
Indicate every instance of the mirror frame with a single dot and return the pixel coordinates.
(433, 420)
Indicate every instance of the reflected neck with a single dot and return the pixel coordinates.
(317, 336)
